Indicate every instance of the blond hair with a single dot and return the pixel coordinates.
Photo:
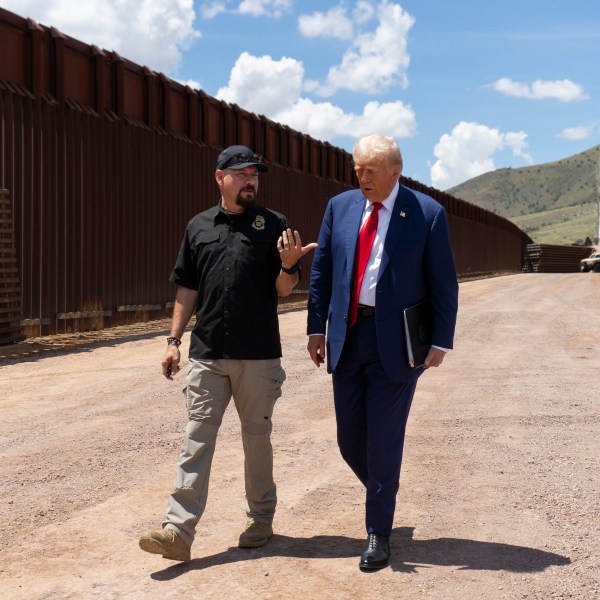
(377, 148)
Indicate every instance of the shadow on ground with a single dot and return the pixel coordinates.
(408, 554)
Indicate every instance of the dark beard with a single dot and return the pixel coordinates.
(245, 202)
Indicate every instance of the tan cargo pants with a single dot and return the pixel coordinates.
(255, 386)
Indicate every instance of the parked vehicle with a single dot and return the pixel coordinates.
(592, 263)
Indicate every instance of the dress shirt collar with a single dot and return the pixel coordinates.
(389, 202)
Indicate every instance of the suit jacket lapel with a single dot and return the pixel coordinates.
(400, 215)
(355, 213)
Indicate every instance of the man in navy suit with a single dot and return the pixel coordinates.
(373, 385)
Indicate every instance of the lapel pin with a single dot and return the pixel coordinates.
(402, 213)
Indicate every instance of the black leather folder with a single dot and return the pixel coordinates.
(418, 327)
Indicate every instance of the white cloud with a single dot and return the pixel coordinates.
(266, 8)
(376, 60)
(254, 8)
(209, 10)
(273, 88)
(192, 83)
(564, 90)
(576, 133)
(469, 151)
(332, 24)
(517, 142)
(325, 121)
(152, 32)
(363, 11)
(263, 85)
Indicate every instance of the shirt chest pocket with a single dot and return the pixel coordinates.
(207, 248)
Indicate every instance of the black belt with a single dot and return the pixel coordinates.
(366, 311)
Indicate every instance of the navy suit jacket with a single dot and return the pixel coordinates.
(417, 263)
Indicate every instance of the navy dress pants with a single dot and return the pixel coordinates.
(371, 412)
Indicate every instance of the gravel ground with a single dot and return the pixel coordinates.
(499, 495)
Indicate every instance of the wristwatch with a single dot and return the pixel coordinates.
(173, 341)
(292, 269)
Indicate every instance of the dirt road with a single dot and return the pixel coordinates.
(499, 495)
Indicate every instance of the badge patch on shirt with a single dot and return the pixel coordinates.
(259, 223)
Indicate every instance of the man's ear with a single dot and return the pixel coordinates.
(219, 177)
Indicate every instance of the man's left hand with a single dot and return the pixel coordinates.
(435, 357)
(290, 248)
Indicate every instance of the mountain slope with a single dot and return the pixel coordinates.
(554, 202)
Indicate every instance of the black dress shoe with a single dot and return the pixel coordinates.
(377, 554)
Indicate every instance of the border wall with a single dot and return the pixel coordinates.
(104, 161)
(553, 258)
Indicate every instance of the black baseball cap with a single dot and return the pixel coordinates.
(239, 157)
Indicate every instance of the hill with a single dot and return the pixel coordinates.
(555, 203)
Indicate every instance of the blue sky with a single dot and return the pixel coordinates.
(464, 87)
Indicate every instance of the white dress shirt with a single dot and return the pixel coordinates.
(369, 282)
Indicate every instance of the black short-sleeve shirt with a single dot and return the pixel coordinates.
(233, 263)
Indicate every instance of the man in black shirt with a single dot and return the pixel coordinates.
(235, 259)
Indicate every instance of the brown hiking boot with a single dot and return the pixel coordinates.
(167, 543)
(255, 535)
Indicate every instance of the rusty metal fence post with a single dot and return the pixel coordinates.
(10, 290)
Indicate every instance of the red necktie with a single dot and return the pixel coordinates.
(363, 251)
